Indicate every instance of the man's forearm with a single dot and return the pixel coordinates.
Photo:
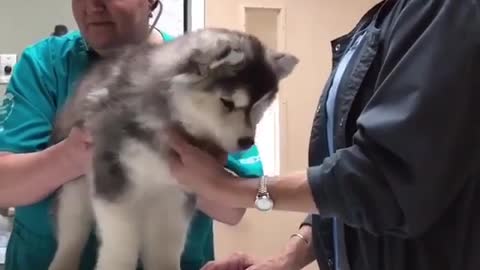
(28, 178)
(299, 249)
(221, 212)
(289, 193)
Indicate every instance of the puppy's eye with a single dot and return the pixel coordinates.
(228, 104)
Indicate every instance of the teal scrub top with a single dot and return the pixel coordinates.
(42, 80)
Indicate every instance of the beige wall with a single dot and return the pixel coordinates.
(304, 28)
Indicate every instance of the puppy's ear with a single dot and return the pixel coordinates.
(224, 59)
(283, 64)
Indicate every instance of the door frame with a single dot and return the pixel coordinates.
(194, 15)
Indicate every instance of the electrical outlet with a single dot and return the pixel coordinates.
(7, 63)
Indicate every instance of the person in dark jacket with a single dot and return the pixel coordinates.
(393, 181)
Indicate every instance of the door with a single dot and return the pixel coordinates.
(304, 28)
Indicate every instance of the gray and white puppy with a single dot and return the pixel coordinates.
(214, 84)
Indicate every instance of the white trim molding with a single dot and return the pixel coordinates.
(196, 14)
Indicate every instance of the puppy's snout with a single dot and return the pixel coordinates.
(245, 142)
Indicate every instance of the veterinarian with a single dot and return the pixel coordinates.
(393, 181)
(31, 170)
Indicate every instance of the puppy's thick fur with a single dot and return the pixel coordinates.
(214, 84)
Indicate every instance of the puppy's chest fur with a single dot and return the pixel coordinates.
(148, 188)
(139, 179)
(136, 171)
(130, 164)
(130, 154)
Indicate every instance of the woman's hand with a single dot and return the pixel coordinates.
(236, 261)
(274, 263)
(196, 170)
(242, 261)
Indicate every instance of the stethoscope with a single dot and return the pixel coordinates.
(155, 21)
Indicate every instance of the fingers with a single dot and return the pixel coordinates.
(189, 153)
(217, 265)
(174, 161)
(176, 142)
(209, 266)
(237, 261)
(88, 137)
(223, 158)
(224, 265)
(82, 134)
(254, 267)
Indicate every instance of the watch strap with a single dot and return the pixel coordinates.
(262, 188)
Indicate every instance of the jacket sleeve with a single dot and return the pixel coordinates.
(307, 221)
(418, 136)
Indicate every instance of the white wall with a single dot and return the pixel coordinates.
(23, 22)
(172, 18)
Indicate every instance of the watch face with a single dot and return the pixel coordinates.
(264, 203)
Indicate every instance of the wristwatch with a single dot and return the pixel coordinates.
(263, 202)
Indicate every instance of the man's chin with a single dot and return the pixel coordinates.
(103, 44)
(106, 51)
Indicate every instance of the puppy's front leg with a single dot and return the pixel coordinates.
(165, 230)
(119, 236)
(74, 223)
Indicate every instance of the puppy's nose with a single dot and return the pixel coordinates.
(245, 142)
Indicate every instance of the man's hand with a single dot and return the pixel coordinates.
(220, 212)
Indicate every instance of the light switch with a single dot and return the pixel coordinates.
(7, 64)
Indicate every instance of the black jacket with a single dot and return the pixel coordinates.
(405, 178)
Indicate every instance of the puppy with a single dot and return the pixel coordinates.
(213, 84)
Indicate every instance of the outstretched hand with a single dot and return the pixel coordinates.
(242, 261)
(236, 261)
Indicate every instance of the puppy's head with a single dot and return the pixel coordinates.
(225, 85)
